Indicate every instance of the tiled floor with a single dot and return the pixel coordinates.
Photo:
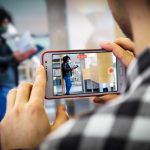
(74, 89)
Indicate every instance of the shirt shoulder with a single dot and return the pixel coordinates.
(124, 123)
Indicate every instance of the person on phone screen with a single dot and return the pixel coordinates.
(67, 73)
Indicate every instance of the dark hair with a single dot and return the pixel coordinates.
(65, 58)
(5, 14)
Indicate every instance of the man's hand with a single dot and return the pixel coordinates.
(26, 124)
(123, 49)
(105, 98)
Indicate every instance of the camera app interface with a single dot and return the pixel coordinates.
(83, 73)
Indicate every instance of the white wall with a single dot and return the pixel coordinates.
(89, 23)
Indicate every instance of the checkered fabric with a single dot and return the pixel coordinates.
(123, 124)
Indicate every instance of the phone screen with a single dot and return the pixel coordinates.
(83, 73)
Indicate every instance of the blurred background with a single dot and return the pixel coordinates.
(60, 24)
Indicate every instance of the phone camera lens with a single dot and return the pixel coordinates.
(45, 61)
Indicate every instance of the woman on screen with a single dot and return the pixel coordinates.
(67, 73)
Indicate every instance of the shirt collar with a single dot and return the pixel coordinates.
(137, 69)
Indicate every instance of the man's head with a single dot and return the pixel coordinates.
(133, 17)
(120, 14)
(5, 18)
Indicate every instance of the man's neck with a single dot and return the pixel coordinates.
(140, 22)
(141, 34)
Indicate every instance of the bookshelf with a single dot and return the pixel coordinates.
(57, 75)
(56, 70)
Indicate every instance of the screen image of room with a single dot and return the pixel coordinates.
(96, 72)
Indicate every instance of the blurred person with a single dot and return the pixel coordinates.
(67, 73)
(9, 61)
(122, 124)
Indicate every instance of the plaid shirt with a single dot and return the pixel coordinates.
(121, 124)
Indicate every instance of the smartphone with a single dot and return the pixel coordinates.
(82, 73)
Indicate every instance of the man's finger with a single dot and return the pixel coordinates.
(127, 58)
(60, 109)
(61, 116)
(125, 43)
(116, 49)
(23, 93)
(105, 98)
(124, 56)
(38, 90)
(11, 97)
